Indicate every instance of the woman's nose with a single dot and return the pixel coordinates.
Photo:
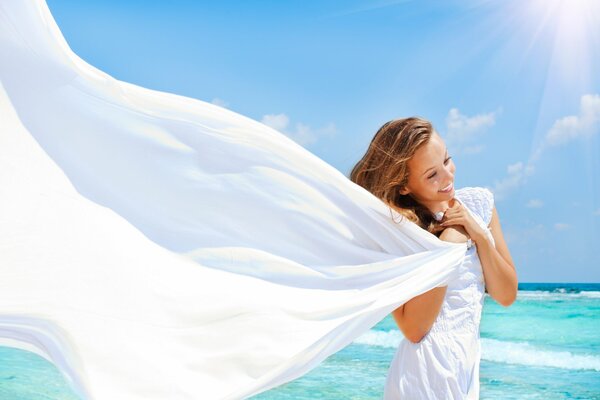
(449, 174)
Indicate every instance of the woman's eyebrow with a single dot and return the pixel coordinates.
(427, 170)
(446, 156)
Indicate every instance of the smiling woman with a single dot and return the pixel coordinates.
(407, 166)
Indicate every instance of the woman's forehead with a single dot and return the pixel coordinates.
(429, 155)
(434, 148)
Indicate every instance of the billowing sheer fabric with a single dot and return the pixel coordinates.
(154, 246)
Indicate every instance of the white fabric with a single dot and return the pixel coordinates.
(445, 363)
(154, 246)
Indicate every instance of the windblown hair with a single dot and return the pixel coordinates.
(383, 170)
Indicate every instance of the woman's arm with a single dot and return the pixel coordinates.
(498, 268)
(416, 316)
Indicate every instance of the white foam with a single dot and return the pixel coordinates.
(526, 354)
(380, 338)
(560, 294)
(501, 351)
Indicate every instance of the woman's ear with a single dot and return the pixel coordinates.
(403, 191)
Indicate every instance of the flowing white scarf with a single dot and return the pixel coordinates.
(154, 246)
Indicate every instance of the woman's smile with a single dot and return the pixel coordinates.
(448, 188)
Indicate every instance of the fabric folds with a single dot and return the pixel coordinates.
(154, 246)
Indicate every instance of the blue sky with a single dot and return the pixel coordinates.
(509, 84)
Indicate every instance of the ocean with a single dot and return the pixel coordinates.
(544, 346)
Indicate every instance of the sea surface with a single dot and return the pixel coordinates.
(544, 346)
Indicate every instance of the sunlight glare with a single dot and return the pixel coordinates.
(573, 27)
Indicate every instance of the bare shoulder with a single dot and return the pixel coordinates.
(455, 234)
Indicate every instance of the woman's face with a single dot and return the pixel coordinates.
(431, 173)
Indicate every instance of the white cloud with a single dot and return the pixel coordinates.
(219, 102)
(574, 126)
(515, 168)
(517, 175)
(565, 129)
(461, 127)
(534, 203)
(302, 134)
(559, 226)
(276, 121)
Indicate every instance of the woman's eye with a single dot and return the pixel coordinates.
(435, 173)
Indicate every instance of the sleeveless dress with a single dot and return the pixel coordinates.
(445, 363)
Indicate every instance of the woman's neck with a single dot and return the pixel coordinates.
(439, 206)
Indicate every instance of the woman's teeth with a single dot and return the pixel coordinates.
(447, 188)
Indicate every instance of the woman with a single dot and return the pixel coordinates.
(407, 165)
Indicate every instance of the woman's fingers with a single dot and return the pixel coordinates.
(452, 214)
(453, 221)
(455, 215)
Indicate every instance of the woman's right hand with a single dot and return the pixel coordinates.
(457, 216)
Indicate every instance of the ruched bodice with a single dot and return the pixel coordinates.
(445, 363)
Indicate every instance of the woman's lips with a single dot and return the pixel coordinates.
(448, 188)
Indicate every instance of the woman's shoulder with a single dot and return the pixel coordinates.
(478, 199)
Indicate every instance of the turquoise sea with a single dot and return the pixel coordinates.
(545, 346)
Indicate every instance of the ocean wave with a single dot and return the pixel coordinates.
(380, 338)
(556, 294)
(501, 351)
(526, 354)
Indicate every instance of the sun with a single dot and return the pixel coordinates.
(572, 27)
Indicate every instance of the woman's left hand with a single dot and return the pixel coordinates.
(457, 214)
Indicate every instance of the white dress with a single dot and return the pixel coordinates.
(445, 363)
